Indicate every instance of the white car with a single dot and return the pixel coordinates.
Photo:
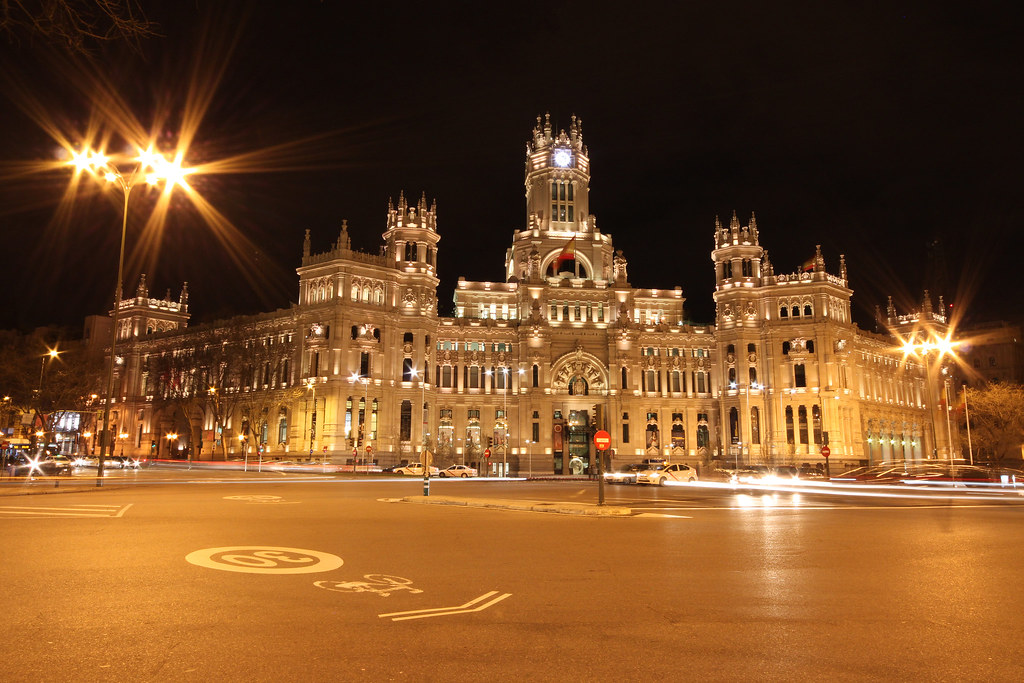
(457, 471)
(664, 474)
(415, 469)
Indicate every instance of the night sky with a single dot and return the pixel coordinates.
(889, 132)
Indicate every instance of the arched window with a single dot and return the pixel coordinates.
(407, 370)
(578, 386)
(790, 433)
(678, 436)
(752, 372)
(807, 310)
(734, 425)
(732, 378)
(378, 296)
(366, 295)
(802, 415)
(755, 425)
(783, 312)
(796, 311)
(355, 292)
(816, 423)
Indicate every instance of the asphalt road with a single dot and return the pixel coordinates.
(156, 582)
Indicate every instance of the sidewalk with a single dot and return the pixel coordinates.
(590, 509)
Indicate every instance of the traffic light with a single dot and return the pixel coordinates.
(597, 418)
(490, 441)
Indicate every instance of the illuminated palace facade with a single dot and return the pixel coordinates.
(363, 362)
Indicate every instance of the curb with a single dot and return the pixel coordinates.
(587, 509)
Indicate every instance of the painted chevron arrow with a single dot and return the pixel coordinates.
(447, 611)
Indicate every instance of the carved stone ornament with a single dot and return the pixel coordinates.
(751, 311)
(409, 298)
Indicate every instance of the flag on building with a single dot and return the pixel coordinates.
(568, 254)
(808, 265)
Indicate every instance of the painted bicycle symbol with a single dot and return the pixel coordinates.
(381, 584)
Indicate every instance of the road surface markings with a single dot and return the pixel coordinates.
(658, 514)
(381, 584)
(256, 499)
(448, 611)
(259, 559)
(65, 511)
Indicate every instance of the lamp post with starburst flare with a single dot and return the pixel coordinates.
(149, 167)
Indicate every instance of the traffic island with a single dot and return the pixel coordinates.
(523, 505)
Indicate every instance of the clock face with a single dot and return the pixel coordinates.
(562, 157)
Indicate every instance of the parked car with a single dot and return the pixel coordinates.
(456, 471)
(664, 474)
(811, 472)
(60, 465)
(625, 474)
(416, 469)
(23, 465)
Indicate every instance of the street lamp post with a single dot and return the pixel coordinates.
(245, 452)
(311, 385)
(356, 377)
(150, 167)
(931, 353)
(423, 437)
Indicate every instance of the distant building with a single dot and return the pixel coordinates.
(992, 352)
(529, 366)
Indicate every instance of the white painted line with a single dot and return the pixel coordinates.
(448, 611)
(260, 559)
(90, 511)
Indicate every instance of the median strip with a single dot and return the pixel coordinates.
(524, 505)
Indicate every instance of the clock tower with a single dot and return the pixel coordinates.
(561, 238)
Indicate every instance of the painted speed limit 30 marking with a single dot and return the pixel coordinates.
(262, 500)
(258, 559)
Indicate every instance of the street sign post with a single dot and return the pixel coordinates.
(825, 452)
(602, 442)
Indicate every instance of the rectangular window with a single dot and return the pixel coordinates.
(364, 364)
(536, 432)
(446, 376)
(625, 432)
(799, 375)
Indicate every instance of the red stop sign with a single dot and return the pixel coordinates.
(825, 451)
(602, 440)
(487, 453)
(369, 448)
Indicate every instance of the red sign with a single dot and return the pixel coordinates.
(487, 452)
(825, 451)
(602, 440)
(369, 448)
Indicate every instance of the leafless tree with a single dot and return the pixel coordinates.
(76, 25)
(997, 421)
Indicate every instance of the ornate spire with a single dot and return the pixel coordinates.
(183, 298)
(926, 304)
(842, 267)
(344, 241)
(142, 291)
(734, 223)
(305, 245)
(819, 262)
